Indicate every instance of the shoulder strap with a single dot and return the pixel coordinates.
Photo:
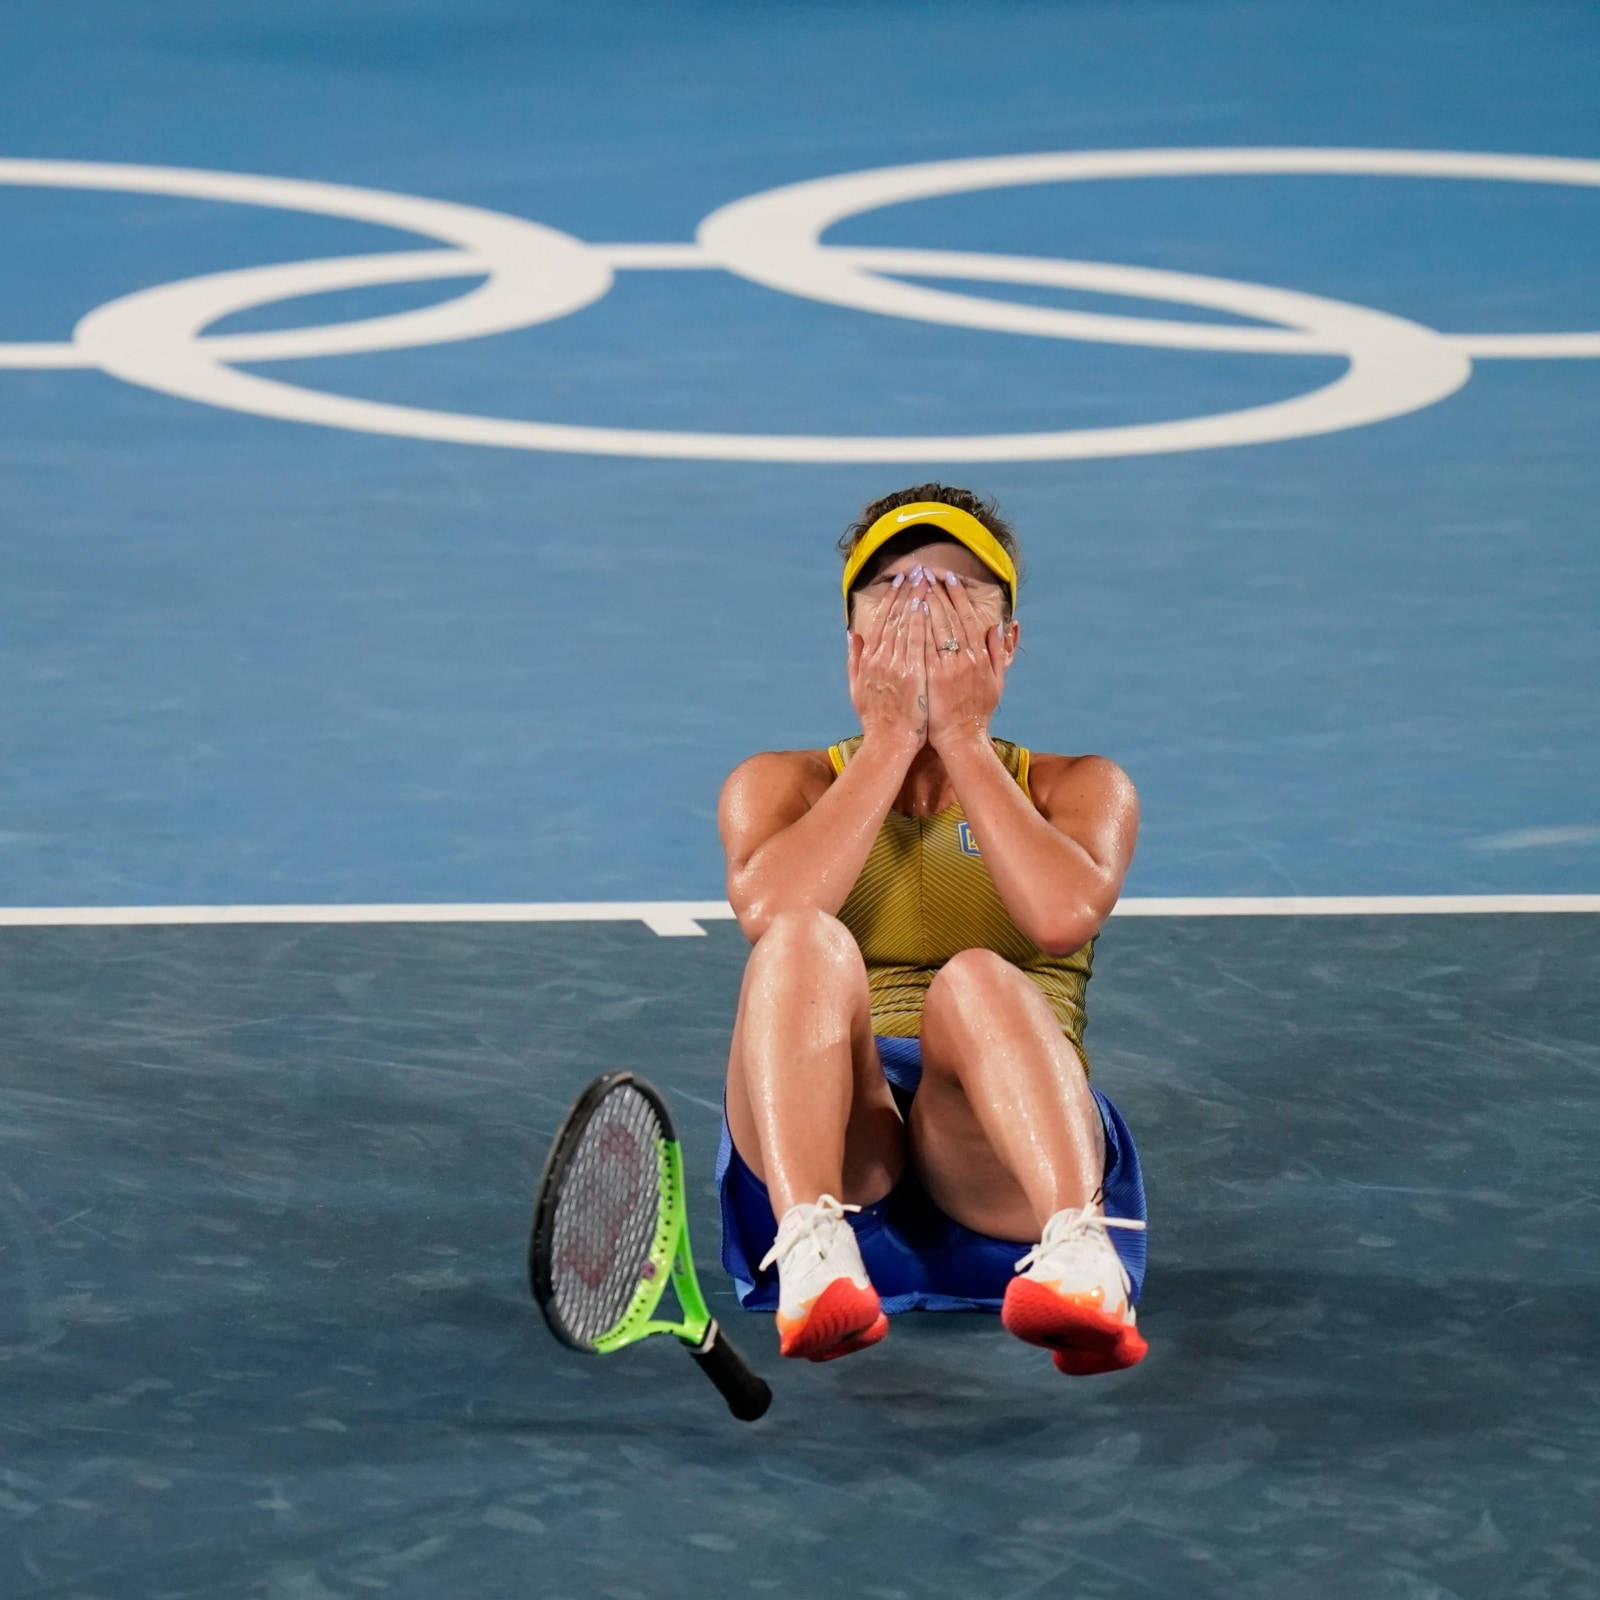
(839, 754)
(1016, 760)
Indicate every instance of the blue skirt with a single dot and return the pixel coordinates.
(918, 1258)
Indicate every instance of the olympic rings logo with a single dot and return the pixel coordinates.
(532, 274)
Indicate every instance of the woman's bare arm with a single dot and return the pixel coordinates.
(795, 836)
(1057, 861)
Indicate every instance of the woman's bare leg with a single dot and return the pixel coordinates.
(1004, 1129)
(808, 1106)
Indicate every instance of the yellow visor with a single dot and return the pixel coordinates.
(961, 526)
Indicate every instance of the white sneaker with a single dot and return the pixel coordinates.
(827, 1306)
(1073, 1295)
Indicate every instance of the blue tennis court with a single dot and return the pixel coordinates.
(424, 431)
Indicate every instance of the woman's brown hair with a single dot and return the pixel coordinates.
(963, 499)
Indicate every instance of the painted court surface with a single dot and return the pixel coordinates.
(423, 431)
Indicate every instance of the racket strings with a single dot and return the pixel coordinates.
(606, 1215)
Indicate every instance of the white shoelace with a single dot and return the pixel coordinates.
(825, 1213)
(1071, 1231)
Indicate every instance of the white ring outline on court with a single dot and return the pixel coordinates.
(156, 337)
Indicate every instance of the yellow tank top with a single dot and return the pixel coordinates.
(924, 894)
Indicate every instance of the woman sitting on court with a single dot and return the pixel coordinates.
(908, 1104)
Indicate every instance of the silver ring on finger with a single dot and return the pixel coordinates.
(950, 644)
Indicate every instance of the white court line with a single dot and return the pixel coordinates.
(682, 918)
(1358, 905)
(668, 918)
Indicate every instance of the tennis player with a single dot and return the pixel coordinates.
(909, 1119)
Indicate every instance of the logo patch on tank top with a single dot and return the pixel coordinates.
(969, 845)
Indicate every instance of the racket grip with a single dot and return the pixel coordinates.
(747, 1395)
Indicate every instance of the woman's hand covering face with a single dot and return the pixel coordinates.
(963, 683)
(887, 664)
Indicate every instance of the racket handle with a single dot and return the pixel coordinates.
(747, 1395)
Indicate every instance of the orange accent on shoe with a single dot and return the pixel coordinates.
(842, 1319)
(1085, 1338)
(859, 1342)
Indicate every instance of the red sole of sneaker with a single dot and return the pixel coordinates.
(860, 1342)
(842, 1319)
(1084, 1339)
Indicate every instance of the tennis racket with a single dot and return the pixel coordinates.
(611, 1227)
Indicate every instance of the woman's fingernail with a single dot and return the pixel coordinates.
(951, 579)
(899, 578)
(916, 575)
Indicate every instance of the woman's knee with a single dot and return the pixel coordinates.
(806, 958)
(969, 983)
(808, 939)
(975, 997)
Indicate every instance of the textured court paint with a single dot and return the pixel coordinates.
(258, 662)
(265, 1330)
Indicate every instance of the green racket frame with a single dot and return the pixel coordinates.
(669, 1255)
